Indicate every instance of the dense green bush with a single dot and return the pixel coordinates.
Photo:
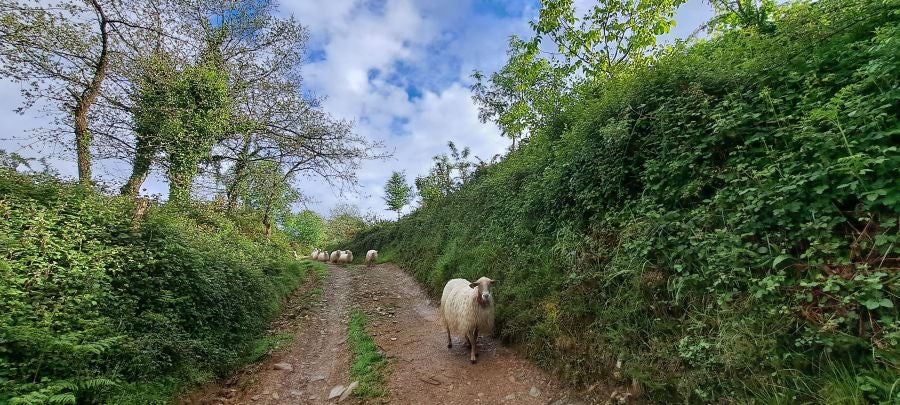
(725, 222)
(94, 308)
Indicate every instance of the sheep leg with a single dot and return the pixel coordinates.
(475, 341)
(449, 341)
(471, 349)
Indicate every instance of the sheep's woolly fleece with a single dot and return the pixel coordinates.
(461, 313)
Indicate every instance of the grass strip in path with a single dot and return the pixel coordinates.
(368, 361)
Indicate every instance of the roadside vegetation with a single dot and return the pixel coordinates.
(111, 295)
(98, 306)
(720, 216)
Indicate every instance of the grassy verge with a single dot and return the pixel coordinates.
(368, 361)
(385, 256)
(265, 345)
(275, 340)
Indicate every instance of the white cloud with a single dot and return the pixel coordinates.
(431, 46)
(373, 51)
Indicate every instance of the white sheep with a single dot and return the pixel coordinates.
(314, 255)
(467, 309)
(335, 256)
(371, 257)
(348, 256)
(323, 256)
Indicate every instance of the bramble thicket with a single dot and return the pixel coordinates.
(722, 220)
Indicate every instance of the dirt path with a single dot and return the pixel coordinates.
(405, 325)
(318, 357)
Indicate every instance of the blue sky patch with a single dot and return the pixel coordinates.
(316, 55)
(413, 92)
(398, 125)
(502, 8)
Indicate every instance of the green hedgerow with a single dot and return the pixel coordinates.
(724, 223)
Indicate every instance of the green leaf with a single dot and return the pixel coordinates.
(779, 259)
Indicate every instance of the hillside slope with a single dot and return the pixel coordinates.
(724, 223)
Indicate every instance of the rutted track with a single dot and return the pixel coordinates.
(318, 355)
(405, 325)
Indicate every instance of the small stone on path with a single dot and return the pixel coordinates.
(317, 377)
(509, 397)
(275, 395)
(349, 390)
(535, 392)
(255, 397)
(336, 391)
(283, 366)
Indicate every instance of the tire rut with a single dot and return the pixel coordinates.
(318, 355)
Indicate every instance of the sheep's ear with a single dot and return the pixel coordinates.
(494, 282)
(473, 285)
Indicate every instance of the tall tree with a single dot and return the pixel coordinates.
(60, 53)
(307, 227)
(608, 39)
(344, 222)
(183, 113)
(268, 192)
(398, 193)
(526, 90)
(272, 117)
(610, 36)
(446, 175)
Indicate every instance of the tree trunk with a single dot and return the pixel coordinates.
(232, 190)
(267, 212)
(143, 159)
(83, 145)
(267, 223)
(183, 167)
(87, 97)
(181, 178)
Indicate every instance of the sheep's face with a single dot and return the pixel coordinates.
(483, 285)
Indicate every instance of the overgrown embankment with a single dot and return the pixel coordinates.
(725, 223)
(94, 308)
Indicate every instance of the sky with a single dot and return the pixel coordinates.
(399, 69)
